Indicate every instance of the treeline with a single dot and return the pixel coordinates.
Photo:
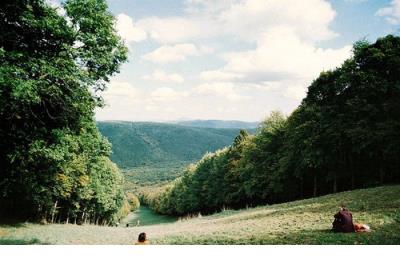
(54, 162)
(344, 135)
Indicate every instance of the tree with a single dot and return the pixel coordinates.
(53, 67)
(344, 135)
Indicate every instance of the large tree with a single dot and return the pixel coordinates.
(54, 63)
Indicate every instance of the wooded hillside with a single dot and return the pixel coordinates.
(344, 135)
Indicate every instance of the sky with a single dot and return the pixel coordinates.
(232, 59)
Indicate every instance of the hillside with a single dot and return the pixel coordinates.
(137, 144)
(299, 222)
(219, 124)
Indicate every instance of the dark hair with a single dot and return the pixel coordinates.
(142, 237)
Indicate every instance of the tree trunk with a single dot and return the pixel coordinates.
(398, 170)
(335, 184)
(315, 186)
(45, 216)
(381, 174)
(67, 221)
(54, 211)
(301, 187)
(82, 217)
(353, 182)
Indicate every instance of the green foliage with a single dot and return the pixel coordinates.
(54, 161)
(133, 201)
(220, 124)
(154, 154)
(153, 174)
(140, 144)
(344, 135)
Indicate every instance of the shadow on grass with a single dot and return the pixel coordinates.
(12, 225)
(388, 234)
(11, 241)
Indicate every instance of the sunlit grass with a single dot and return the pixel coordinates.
(300, 222)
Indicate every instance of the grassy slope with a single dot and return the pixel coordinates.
(300, 222)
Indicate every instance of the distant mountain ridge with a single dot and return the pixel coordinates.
(230, 124)
(137, 144)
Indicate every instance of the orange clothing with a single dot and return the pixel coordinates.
(358, 227)
(142, 243)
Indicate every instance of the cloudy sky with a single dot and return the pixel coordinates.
(232, 59)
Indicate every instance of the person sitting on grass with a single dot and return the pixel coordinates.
(142, 239)
(343, 222)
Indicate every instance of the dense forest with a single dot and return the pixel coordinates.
(344, 135)
(221, 124)
(55, 164)
(136, 144)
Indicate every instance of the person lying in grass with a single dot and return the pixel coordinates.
(343, 222)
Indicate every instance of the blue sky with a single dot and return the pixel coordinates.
(232, 59)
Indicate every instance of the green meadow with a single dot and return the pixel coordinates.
(300, 222)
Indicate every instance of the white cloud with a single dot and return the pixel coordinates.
(244, 20)
(297, 91)
(166, 94)
(219, 75)
(162, 76)
(281, 53)
(391, 12)
(120, 90)
(220, 89)
(204, 49)
(128, 31)
(172, 53)
(309, 19)
(120, 98)
(281, 56)
(271, 54)
(173, 29)
(240, 101)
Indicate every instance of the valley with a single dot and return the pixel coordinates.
(151, 153)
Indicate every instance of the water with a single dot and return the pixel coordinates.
(146, 217)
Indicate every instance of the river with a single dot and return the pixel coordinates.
(145, 216)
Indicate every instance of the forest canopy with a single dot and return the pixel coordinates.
(54, 61)
(344, 135)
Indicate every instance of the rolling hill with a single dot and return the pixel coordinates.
(136, 144)
(219, 124)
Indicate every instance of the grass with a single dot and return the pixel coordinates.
(299, 222)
